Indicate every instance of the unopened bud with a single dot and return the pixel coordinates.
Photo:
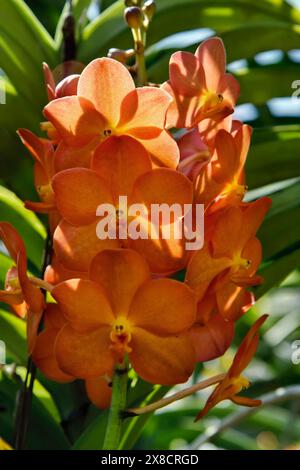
(149, 9)
(117, 54)
(133, 17)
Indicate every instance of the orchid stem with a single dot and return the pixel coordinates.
(25, 398)
(175, 397)
(141, 77)
(118, 405)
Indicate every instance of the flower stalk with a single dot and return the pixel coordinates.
(138, 19)
(118, 405)
(175, 397)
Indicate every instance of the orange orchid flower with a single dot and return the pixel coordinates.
(48, 162)
(209, 128)
(43, 154)
(234, 382)
(114, 314)
(108, 104)
(66, 87)
(98, 389)
(25, 298)
(200, 86)
(194, 153)
(231, 255)
(221, 181)
(197, 145)
(211, 334)
(120, 167)
(213, 331)
(56, 272)
(43, 353)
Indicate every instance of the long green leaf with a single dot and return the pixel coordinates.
(136, 425)
(44, 431)
(280, 232)
(13, 333)
(274, 155)
(279, 78)
(27, 30)
(5, 264)
(276, 271)
(30, 228)
(93, 436)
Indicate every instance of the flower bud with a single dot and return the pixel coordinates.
(133, 17)
(149, 9)
(117, 54)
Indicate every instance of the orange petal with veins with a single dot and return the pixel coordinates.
(120, 272)
(168, 300)
(99, 391)
(106, 82)
(75, 247)
(78, 193)
(84, 304)
(144, 107)
(76, 120)
(84, 356)
(120, 161)
(164, 360)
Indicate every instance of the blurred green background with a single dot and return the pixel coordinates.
(262, 39)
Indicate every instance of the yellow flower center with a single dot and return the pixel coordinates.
(239, 262)
(49, 128)
(120, 337)
(12, 283)
(211, 101)
(235, 189)
(239, 383)
(107, 132)
(234, 386)
(45, 192)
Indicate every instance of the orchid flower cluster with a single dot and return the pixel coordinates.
(148, 302)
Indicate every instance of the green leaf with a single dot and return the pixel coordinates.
(273, 156)
(5, 264)
(44, 431)
(23, 48)
(27, 31)
(23, 72)
(93, 436)
(252, 80)
(28, 225)
(13, 333)
(136, 425)
(18, 110)
(276, 271)
(67, 397)
(106, 4)
(280, 232)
